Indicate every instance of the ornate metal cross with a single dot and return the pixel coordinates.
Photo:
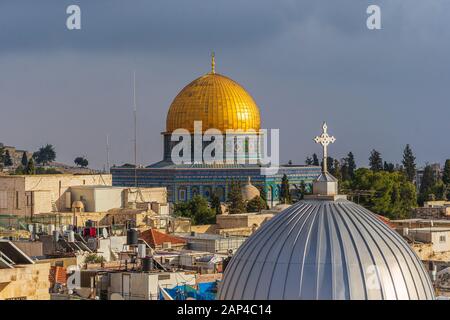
(324, 139)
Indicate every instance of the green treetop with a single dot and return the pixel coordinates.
(375, 161)
(235, 201)
(409, 163)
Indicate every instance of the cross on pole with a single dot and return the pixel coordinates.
(324, 139)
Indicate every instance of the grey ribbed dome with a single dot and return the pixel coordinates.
(322, 249)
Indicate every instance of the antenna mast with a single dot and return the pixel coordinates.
(135, 128)
(107, 153)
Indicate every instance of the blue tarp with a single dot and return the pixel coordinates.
(206, 291)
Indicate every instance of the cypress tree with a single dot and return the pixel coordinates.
(2, 155)
(285, 195)
(409, 163)
(24, 160)
(215, 203)
(375, 161)
(235, 201)
(315, 160)
(336, 170)
(30, 169)
(351, 165)
(7, 159)
(446, 173)
(427, 185)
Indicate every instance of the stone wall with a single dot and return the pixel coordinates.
(44, 191)
(29, 282)
(244, 220)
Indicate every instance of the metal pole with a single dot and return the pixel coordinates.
(135, 129)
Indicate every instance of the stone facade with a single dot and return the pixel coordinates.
(35, 194)
(243, 220)
(25, 282)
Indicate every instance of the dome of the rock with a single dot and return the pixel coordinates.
(217, 101)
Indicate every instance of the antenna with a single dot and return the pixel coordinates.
(107, 153)
(135, 128)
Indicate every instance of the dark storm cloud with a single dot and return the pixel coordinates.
(138, 24)
(303, 61)
(162, 24)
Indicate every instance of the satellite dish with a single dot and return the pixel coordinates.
(116, 296)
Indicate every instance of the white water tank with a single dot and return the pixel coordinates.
(50, 229)
(142, 250)
(71, 236)
(56, 236)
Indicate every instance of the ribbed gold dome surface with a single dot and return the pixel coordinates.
(217, 101)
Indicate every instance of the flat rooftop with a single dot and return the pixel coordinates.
(207, 236)
(100, 186)
(432, 229)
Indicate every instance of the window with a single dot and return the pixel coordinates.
(182, 194)
(17, 200)
(3, 199)
(29, 199)
(442, 239)
(164, 277)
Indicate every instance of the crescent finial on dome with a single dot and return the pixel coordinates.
(213, 63)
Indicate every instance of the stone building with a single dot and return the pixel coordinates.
(20, 277)
(26, 195)
(16, 154)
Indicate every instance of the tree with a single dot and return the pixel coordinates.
(375, 161)
(45, 155)
(285, 195)
(427, 185)
(409, 163)
(197, 209)
(7, 161)
(257, 204)
(391, 194)
(315, 160)
(302, 189)
(336, 170)
(215, 203)
(2, 155)
(446, 173)
(446, 179)
(309, 161)
(81, 162)
(351, 165)
(30, 169)
(389, 167)
(24, 160)
(235, 201)
(20, 169)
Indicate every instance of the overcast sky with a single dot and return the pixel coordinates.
(302, 61)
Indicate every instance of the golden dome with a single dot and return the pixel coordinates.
(217, 101)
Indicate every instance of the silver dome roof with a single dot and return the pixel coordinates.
(321, 249)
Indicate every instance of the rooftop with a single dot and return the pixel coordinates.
(155, 238)
(431, 229)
